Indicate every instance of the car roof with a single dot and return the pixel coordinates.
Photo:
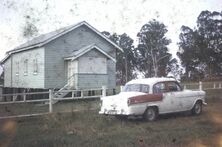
(150, 81)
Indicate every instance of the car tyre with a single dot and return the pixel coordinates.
(150, 114)
(197, 108)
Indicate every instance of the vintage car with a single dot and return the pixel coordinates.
(152, 96)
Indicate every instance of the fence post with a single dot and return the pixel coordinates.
(82, 94)
(103, 91)
(220, 85)
(121, 88)
(184, 87)
(14, 98)
(50, 101)
(72, 94)
(214, 85)
(200, 86)
(24, 97)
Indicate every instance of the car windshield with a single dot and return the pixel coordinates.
(136, 88)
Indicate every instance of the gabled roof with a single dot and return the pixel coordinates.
(46, 38)
(84, 50)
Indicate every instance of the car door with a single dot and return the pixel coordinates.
(169, 102)
(176, 94)
(187, 99)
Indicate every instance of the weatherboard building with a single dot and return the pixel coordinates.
(77, 56)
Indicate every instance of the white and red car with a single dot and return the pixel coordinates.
(152, 96)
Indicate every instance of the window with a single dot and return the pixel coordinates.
(173, 86)
(93, 65)
(17, 68)
(35, 66)
(25, 67)
(145, 88)
(166, 87)
(136, 88)
(159, 88)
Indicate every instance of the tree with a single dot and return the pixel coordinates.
(125, 65)
(174, 68)
(210, 32)
(29, 30)
(152, 52)
(201, 48)
(187, 53)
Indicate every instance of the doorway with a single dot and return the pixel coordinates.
(71, 74)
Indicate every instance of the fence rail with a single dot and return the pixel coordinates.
(202, 85)
(52, 99)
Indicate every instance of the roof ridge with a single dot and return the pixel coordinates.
(60, 31)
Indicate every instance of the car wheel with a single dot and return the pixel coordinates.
(197, 108)
(150, 114)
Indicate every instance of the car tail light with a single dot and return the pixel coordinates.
(130, 101)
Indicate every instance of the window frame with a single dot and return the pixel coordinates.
(17, 68)
(140, 88)
(176, 83)
(25, 67)
(35, 66)
(167, 87)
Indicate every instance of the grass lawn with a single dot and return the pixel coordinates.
(86, 128)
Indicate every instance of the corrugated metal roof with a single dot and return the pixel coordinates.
(42, 38)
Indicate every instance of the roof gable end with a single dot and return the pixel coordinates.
(86, 49)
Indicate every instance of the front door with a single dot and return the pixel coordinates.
(70, 75)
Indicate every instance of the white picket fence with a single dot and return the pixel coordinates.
(202, 85)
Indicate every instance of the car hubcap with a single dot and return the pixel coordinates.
(150, 114)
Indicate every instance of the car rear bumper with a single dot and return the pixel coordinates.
(131, 110)
(114, 112)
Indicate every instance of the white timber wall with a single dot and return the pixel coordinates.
(26, 69)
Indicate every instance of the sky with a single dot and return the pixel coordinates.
(120, 16)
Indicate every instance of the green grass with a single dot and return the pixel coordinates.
(81, 125)
(35, 108)
(87, 128)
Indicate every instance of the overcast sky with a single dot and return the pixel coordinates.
(106, 15)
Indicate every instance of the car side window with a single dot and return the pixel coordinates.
(145, 88)
(159, 88)
(173, 86)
